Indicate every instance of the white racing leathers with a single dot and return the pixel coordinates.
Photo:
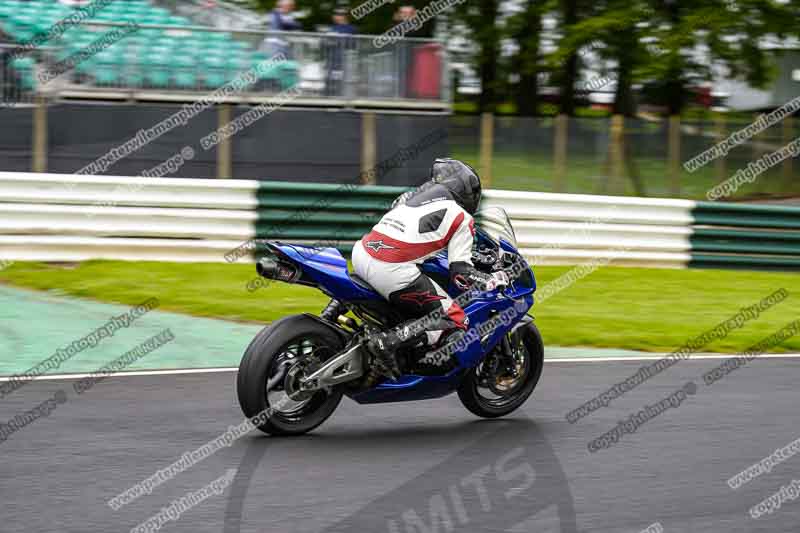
(388, 257)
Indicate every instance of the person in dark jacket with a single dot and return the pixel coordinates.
(335, 48)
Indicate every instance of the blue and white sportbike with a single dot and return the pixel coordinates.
(296, 370)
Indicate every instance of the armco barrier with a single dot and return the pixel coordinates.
(52, 217)
(745, 236)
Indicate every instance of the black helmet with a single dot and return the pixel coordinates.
(461, 180)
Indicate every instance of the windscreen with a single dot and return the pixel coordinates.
(496, 222)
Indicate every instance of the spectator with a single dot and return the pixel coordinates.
(281, 19)
(341, 24)
(404, 13)
(335, 48)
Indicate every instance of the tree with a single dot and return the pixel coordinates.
(569, 73)
(692, 36)
(525, 28)
(481, 19)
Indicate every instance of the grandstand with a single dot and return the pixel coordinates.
(171, 54)
(164, 53)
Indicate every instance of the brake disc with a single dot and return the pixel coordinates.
(292, 383)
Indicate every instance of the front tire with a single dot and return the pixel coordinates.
(285, 343)
(526, 342)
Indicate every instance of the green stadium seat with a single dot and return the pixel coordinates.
(184, 76)
(214, 71)
(215, 36)
(239, 46)
(237, 64)
(24, 67)
(176, 21)
(133, 74)
(106, 67)
(7, 10)
(156, 70)
(151, 34)
(151, 57)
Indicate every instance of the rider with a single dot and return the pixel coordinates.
(436, 216)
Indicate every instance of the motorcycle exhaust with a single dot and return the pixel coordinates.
(268, 268)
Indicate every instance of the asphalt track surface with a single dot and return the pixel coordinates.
(431, 463)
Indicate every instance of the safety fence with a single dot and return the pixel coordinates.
(52, 217)
(746, 236)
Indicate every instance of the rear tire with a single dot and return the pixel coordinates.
(290, 339)
(527, 336)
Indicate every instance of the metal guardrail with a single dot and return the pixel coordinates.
(103, 217)
(332, 69)
(71, 218)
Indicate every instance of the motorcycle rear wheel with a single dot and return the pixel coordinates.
(292, 340)
(526, 343)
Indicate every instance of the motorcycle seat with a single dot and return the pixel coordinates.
(361, 282)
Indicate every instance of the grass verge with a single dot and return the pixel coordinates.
(614, 307)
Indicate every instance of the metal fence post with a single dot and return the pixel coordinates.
(224, 159)
(369, 147)
(720, 163)
(616, 155)
(788, 136)
(487, 147)
(40, 135)
(560, 152)
(674, 155)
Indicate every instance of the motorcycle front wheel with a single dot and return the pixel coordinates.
(491, 395)
(277, 354)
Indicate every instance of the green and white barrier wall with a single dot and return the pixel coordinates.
(54, 217)
(745, 236)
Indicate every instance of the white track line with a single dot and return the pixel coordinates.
(55, 377)
(133, 373)
(656, 357)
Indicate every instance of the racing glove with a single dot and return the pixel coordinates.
(465, 276)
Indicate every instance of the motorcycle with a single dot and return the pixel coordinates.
(296, 370)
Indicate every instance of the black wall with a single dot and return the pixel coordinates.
(16, 138)
(287, 145)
